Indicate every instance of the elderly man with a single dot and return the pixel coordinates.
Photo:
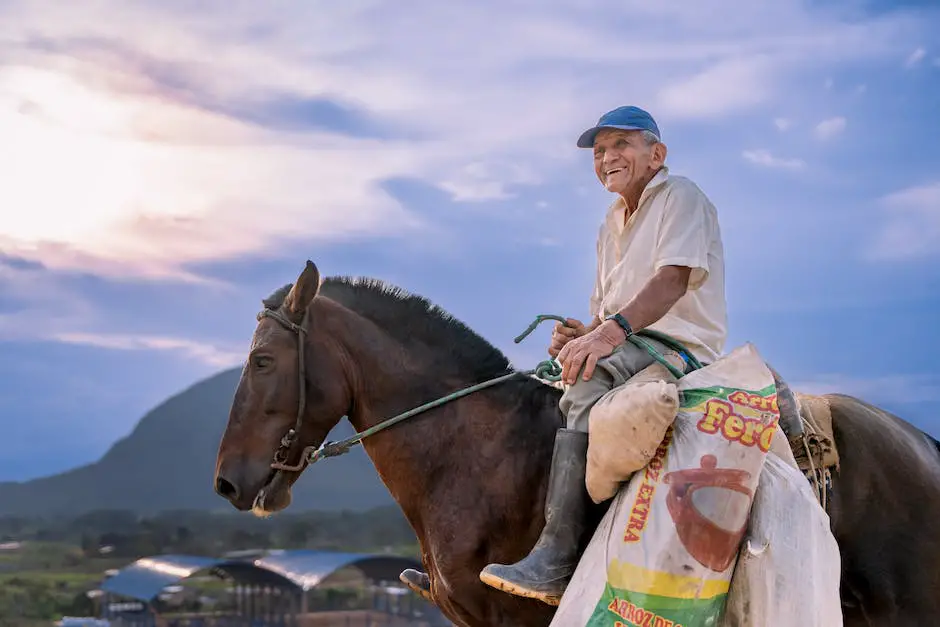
(660, 266)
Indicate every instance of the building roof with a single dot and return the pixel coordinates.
(303, 569)
(306, 568)
(145, 578)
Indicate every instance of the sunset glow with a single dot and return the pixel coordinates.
(68, 172)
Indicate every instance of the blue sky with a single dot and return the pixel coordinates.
(164, 167)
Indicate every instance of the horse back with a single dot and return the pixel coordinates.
(884, 508)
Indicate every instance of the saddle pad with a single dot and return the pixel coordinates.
(816, 416)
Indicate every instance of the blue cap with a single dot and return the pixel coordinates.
(625, 118)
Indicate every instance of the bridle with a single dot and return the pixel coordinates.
(281, 454)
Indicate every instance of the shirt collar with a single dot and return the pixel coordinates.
(618, 208)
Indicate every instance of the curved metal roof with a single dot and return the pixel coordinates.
(305, 569)
(145, 578)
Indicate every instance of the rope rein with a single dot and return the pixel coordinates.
(547, 370)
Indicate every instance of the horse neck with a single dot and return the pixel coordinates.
(421, 452)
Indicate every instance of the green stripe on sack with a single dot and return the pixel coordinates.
(634, 609)
(694, 397)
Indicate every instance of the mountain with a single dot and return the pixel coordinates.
(167, 463)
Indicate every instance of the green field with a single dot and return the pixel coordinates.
(59, 560)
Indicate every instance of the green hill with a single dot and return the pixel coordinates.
(167, 463)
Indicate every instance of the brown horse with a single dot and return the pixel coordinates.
(471, 475)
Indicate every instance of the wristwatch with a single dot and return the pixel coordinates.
(616, 317)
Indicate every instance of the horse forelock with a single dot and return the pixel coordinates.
(277, 297)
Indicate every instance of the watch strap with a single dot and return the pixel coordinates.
(619, 319)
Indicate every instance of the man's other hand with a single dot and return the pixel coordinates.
(564, 333)
(588, 349)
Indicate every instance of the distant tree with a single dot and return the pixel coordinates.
(89, 546)
(182, 538)
(240, 539)
(80, 605)
(119, 541)
(298, 533)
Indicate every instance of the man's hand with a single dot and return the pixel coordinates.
(564, 333)
(587, 349)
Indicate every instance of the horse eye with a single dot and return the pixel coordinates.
(262, 361)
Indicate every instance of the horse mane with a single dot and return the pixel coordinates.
(413, 320)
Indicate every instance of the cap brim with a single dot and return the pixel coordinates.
(587, 137)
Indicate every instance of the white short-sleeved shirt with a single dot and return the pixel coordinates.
(675, 224)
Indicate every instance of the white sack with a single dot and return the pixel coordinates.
(788, 570)
(665, 552)
(626, 426)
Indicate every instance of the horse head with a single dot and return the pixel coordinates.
(292, 392)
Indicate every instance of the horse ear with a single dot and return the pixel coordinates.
(303, 292)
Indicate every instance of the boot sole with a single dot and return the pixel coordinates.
(519, 591)
(425, 594)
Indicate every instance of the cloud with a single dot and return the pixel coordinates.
(782, 124)
(40, 305)
(827, 129)
(35, 303)
(486, 181)
(912, 226)
(732, 85)
(168, 135)
(915, 57)
(765, 158)
(124, 205)
(208, 354)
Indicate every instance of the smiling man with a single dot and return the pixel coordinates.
(660, 266)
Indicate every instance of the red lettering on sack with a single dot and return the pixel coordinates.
(755, 401)
(720, 418)
(639, 513)
(637, 616)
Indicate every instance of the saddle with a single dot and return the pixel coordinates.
(806, 420)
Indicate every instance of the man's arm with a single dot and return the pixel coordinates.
(650, 304)
(681, 263)
(597, 294)
(595, 322)
(654, 300)
(681, 256)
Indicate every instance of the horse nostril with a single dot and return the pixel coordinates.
(225, 488)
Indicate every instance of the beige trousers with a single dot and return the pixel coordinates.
(611, 372)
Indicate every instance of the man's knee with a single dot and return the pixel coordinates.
(576, 402)
(577, 399)
(627, 363)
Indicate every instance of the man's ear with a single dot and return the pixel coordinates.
(659, 155)
(302, 293)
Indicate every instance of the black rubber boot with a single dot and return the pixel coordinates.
(545, 572)
(418, 582)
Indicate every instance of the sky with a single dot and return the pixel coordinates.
(166, 165)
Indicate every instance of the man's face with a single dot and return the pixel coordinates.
(623, 161)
